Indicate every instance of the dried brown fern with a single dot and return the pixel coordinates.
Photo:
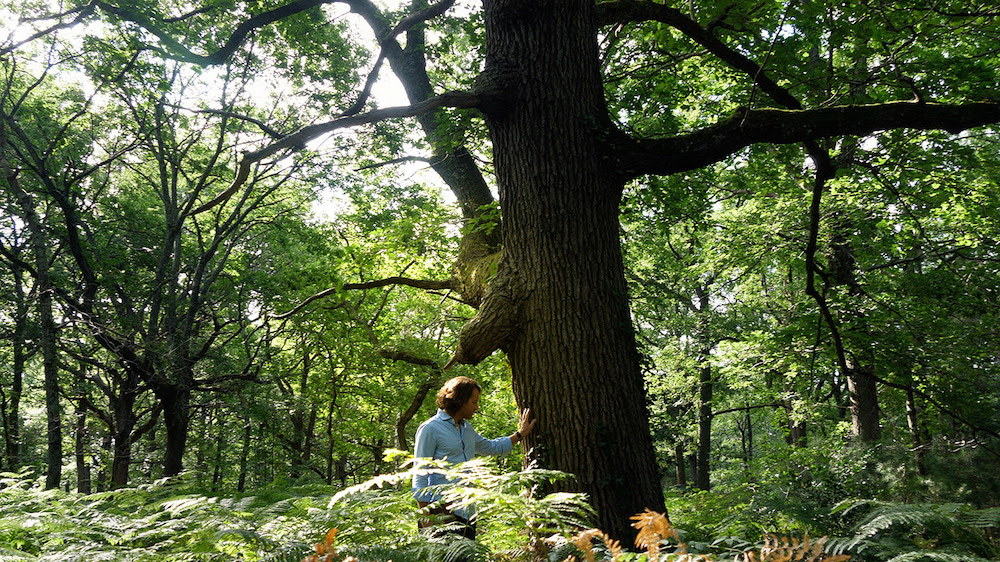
(584, 542)
(326, 551)
(784, 549)
(653, 528)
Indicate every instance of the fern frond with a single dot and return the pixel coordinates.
(380, 481)
(982, 518)
(288, 552)
(248, 536)
(653, 529)
(782, 549)
(12, 554)
(932, 556)
(922, 530)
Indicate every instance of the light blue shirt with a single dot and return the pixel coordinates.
(439, 438)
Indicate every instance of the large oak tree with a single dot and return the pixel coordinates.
(549, 285)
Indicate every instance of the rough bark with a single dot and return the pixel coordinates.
(558, 304)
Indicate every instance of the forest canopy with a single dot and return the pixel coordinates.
(732, 246)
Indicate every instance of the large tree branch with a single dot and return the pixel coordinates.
(145, 428)
(625, 11)
(778, 126)
(433, 378)
(386, 36)
(178, 51)
(453, 163)
(389, 47)
(239, 35)
(447, 284)
(495, 323)
(297, 140)
(81, 13)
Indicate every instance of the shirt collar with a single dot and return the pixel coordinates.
(446, 417)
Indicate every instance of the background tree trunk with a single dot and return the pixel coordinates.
(679, 465)
(123, 406)
(860, 371)
(47, 329)
(702, 478)
(176, 419)
(83, 484)
(864, 403)
(12, 396)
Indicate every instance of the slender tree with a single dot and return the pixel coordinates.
(12, 248)
(46, 319)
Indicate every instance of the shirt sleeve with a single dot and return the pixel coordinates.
(498, 446)
(424, 446)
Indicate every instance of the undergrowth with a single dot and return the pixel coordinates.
(172, 520)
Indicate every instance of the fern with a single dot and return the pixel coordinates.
(383, 512)
(937, 557)
(896, 532)
(171, 521)
(168, 521)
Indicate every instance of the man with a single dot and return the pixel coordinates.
(449, 436)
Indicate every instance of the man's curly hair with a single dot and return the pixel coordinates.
(455, 393)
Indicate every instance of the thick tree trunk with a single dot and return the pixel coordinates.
(122, 458)
(558, 305)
